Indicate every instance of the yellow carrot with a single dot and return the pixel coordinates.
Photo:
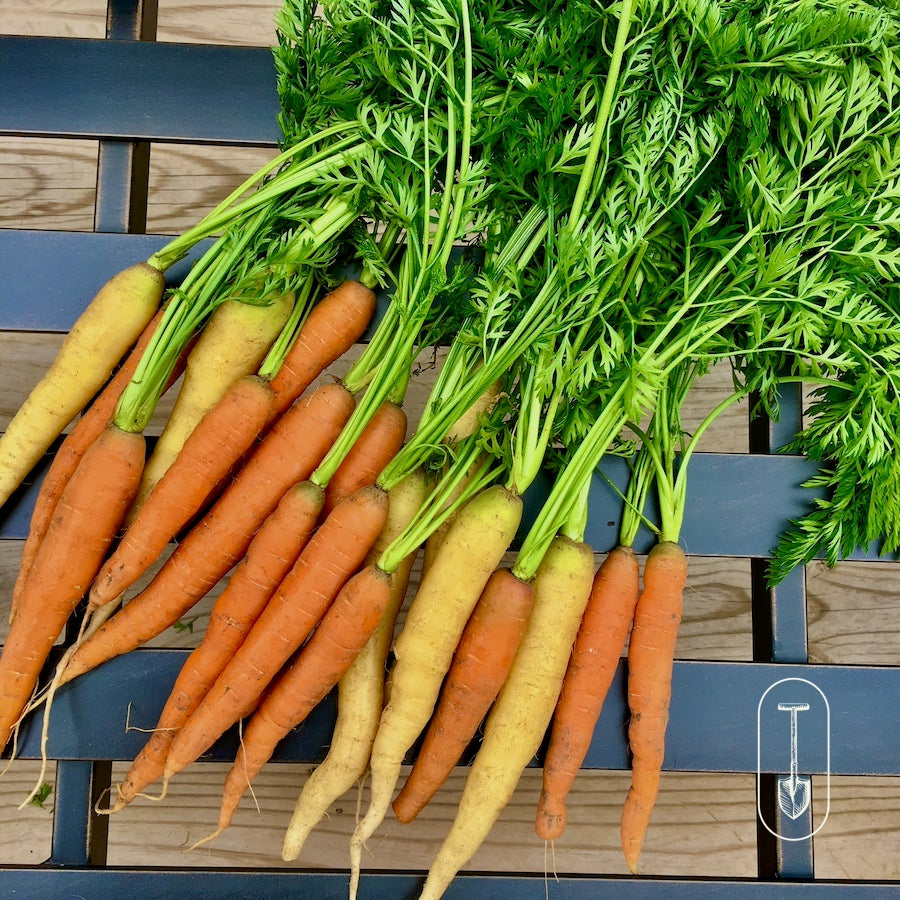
(473, 547)
(231, 346)
(99, 339)
(516, 725)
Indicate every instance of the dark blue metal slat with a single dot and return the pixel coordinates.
(123, 173)
(120, 206)
(50, 276)
(123, 167)
(713, 723)
(794, 850)
(780, 611)
(71, 813)
(784, 834)
(131, 20)
(79, 835)
(67, 87)
(721, 521)
(54, 884)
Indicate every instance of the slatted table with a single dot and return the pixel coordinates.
(129, 90)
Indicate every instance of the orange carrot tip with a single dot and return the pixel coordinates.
(651, 652)
(332, 327)
(272, 552)
(479, 668)
(595, 657)
(340, 636)
(202, 841)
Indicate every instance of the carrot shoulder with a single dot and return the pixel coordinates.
(333, 325)
(90, 510)
(333, 554)
(595, 657)
(378, 444)
(651, 652)
(288, 454)
(270, 556)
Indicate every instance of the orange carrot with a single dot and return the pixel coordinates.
(333, 325)
(86, 430)
(595, 656)
(480, 666)
(270, 556)
(330, 558)
(651, 652)
(222, 436)
(288, 454)
(360, 691)
(378, 444)
(88, 514)
(317, 668)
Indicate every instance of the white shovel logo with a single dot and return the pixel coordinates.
(793, 790)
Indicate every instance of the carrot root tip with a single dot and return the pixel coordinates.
(156, 798)
(551, 826)
(202, 841)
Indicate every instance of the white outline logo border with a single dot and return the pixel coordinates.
(827, 757)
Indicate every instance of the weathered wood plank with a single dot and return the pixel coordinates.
(720, 806)
(48, 183)
(854, 614)
(25, 834)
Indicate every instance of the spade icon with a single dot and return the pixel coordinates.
(793, 789)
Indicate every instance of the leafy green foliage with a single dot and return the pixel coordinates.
(738, 200)
(41, 795)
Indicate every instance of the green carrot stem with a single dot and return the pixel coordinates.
(438, 506)
(586, 181)
(285, 340)
(639, 484)
(324, 161)
(565, 491)
(193, 305)
(576, 522)
(183, 315)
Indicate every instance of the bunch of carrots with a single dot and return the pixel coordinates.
(718, 185)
